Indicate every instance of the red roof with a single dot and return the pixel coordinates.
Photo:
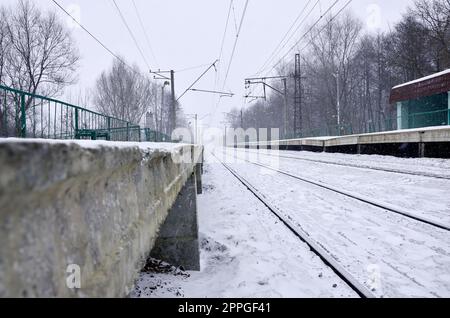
(427, 86)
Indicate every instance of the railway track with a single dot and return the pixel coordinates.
(360, 289)
(322, 249)
(367, 200)
(363, 167)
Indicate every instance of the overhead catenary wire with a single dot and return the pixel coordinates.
(235, 43)
(223, 41)
(131, 34)
(96, 39)
(307, 32)
(234, 47)
(145, 33)
(278, 47)
(331, 20)
(321, 29)
(191, 68)
(198, 79)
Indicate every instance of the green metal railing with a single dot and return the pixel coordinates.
(154, 136)
(28, 115)
(417, 120)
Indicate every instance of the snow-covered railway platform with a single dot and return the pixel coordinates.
(431, 142)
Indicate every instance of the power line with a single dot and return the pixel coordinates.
(198, 79)
(235, 43)
(95, 38)
(131, 33)
(192, 68)
(234, 50)
(225, 34)
(279, 47)
(307, 32)
(328, 23)
(234, 17)
(145, 33)
(331, 20)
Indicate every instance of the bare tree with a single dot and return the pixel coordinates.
(42, 56)
(4, 42)
(37, 55)
(124, 93)
(435, 17)
(330, 61)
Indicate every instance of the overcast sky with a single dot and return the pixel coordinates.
(187, 33)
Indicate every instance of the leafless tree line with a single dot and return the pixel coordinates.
(366, 65)
(124, 92)
(37, 55)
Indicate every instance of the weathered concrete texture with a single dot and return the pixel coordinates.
(177, 242)
(98, 207)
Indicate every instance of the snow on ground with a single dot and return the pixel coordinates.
(424, 196)
(427, 166)
(245, 252)
(412, 258)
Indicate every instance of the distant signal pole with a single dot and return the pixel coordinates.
(298, 111)
(284, 93)
(173, 106)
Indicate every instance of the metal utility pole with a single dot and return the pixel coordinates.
(240, 117)
(285, 115)
(284, 93)
(338, 98)
(162, 106)
(173, 111)
(173, 107)
(338, 101)
(225, 133)
(298, 111)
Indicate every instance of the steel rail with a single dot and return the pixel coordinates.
(384, 206)
(357, 166)
(315, 247)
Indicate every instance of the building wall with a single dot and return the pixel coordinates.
(424, 112)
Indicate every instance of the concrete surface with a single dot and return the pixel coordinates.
(96, 205)
(177, 242)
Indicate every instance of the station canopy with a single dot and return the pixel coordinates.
(427, 86)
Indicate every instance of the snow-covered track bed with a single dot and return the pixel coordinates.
(423, 198)
(411, 257)
(377, 165)
(360, 289)
(379, 204)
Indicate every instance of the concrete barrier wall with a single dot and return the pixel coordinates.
(97, 205)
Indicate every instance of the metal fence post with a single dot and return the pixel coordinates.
(6, 115)
(109, 128)
(76, 124)
(23, 117)
(128, 131)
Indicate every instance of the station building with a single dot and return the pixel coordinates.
(424, 102)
